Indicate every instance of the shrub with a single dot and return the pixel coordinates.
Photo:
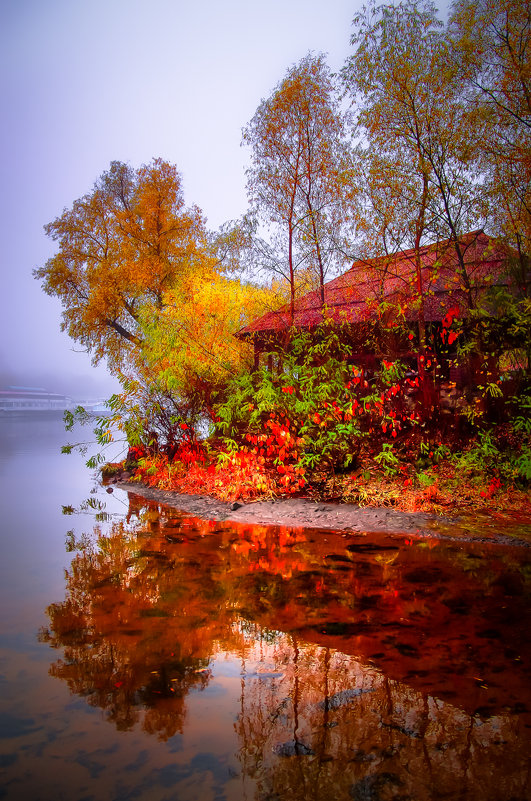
(313, 413)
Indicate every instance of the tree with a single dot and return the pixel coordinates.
(142, 285)
(492, 47)
(190, 344)
(119, 247)
(418, 163)
(493, 39)
(296, 178)
(418, 157)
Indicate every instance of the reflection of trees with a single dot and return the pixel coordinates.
(129, 643)
(351, 648)
(364, 736)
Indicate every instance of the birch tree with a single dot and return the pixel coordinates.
(417, 158)
(299, 158)
(492, 48)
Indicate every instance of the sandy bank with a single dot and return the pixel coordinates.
(304, 513)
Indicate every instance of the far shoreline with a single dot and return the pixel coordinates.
(502, 528)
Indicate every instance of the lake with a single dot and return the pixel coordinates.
(146, 654)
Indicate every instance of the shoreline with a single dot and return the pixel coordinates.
(306, 513)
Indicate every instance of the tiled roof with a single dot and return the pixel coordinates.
(354, 296)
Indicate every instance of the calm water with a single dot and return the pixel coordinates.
(147, 655)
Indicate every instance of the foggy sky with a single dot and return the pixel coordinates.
(84, 82)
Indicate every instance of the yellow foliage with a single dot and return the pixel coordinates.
(190, 342)
(119, 247)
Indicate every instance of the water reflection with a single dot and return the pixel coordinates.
(347, 666)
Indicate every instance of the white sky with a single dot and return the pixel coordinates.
(83, 82)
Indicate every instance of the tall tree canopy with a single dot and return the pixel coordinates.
(492, 46)
(298, 165)
(145, 286)
(419, 160)
(119, 247)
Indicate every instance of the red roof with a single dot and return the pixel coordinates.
(354, 296)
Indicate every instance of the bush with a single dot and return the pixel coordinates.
(313, 413)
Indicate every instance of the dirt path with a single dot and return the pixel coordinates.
(303, 513)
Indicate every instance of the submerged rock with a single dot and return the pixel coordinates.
(342, 698)
(370, 788)
(407, 730)
(292, 748)
(265, 674)
(370, 547)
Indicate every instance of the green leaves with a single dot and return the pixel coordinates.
(387, 459)
(522, 419)
(523, 463)
(317, 400)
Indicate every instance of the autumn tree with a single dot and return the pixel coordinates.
(295, 182)
(491, 42)
(146, 287)
(121, 246)
(190, 344)
(417, 161)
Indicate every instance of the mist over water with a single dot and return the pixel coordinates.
(95, 383)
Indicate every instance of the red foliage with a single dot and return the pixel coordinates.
(492, 489)
(447, 321)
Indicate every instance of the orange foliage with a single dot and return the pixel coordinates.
(239, 475)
